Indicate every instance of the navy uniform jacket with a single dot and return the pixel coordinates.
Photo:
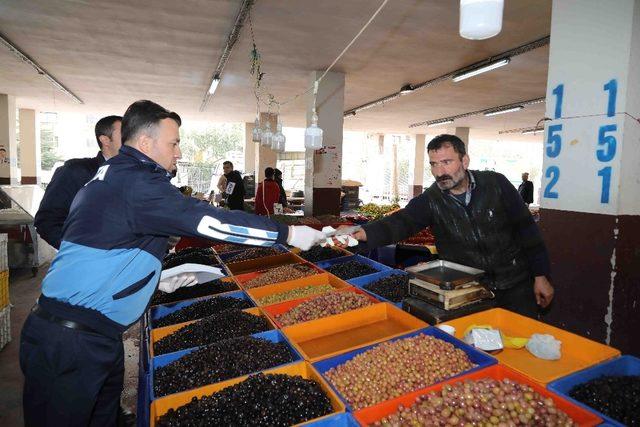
(65, 184)
(116, 235)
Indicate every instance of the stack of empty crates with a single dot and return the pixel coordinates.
(5, 317)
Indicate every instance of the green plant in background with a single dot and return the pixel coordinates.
(208, 147)
(49, 148)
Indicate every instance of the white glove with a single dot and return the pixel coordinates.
(304, 237)
(182, 280)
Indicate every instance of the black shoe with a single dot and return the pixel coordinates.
(125, 418)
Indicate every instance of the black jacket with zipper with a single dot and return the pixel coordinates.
(494, 232)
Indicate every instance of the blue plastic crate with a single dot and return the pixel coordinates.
(274, 336)
(225, 256)
(480, 358)
(360, 282)
(343, 419)
(359, 258)
(143, 402)
(160, 311)
(624, 365)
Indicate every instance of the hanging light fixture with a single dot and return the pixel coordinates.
(278, 140)
(480, 19)
(406, 89)
(256, 135)
(267, 136)
(313, 134)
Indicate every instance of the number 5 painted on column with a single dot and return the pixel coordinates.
(554, 140)
(608, 142)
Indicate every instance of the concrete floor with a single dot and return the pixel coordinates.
(23, 291)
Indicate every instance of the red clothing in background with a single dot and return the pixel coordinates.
(267, 194)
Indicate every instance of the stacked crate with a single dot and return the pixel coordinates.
(5, 315)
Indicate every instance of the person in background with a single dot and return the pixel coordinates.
(526, 189)
(231, 185)
(478, 220)
(267, 194)
(69, 178)
(108, 267)
(277, 177)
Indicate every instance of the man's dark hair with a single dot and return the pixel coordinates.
(268, 173)
(105, 127)
(227, 162)
(144, 115)
(442, 140)
(277, 173)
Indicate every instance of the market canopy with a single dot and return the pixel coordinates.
(110, 53)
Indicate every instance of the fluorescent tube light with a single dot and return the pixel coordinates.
(480, 70)
(503, 111)
(438, 123)
(214, 85)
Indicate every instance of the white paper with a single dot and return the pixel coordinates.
(484, 339)
(204, 273)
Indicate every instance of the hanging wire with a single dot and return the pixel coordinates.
(255, 66)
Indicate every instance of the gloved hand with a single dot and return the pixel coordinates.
(182, 280)
(304, 237)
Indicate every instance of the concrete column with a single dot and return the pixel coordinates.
(463, 134)
(323, 168)
(590, 214)
(265, 156)
(249, 149)
(9, 174)
(418, 166)
(29, 146)
(394, 167)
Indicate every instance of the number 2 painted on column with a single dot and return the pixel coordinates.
(553, 172)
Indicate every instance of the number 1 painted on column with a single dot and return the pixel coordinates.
(612, 87)
(558, 91)
(605, 173)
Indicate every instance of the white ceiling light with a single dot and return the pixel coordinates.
(480, 19)
(503, 111)
(480, 70)
(440, 122)
(256, 134)
(214, 85)
(279, 140)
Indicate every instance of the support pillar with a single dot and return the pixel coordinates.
(8, 158)
(395, 191)
(265, 156)
(590, 214)
(323, 168)
(29, 146)
(418, 166)
(249, 149)
(463, 134)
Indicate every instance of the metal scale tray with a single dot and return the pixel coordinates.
(446, 274)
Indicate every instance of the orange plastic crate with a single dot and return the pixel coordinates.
(277, 309)
(375, 413)
(319, 279)
(333, 335)
(577, 352)
(263, 263)
(159, 333)
(245, 277)
(162, 405)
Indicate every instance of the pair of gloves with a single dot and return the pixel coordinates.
(300, 236)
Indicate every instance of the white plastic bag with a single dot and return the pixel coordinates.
(544, 346)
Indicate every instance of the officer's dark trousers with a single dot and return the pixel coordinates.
(520, 299)
(72, 377)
